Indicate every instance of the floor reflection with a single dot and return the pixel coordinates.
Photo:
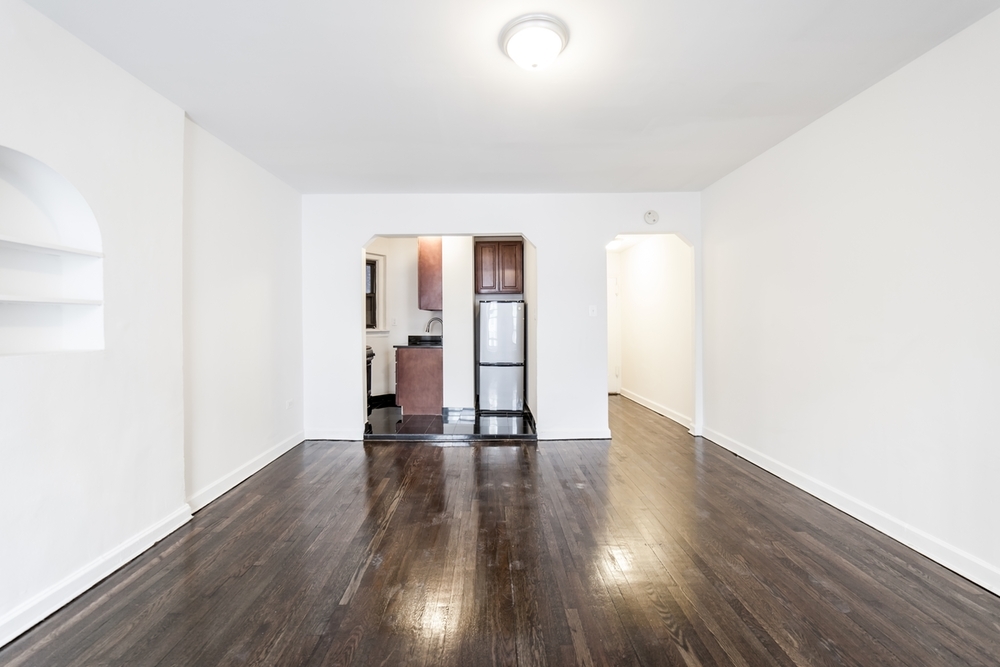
(653, 549)
(390, 422)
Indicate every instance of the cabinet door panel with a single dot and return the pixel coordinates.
(429, 287)
(420, 380)
(510, 268)
(486, 268)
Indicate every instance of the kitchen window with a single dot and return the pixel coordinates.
(371, 294)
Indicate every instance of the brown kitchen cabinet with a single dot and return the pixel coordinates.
(429, 273)
(499, 267)
(420, 380)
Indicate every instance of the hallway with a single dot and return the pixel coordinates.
(655, 548)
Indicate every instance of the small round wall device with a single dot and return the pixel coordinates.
(651, 217)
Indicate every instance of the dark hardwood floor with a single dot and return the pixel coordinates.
(653, 549)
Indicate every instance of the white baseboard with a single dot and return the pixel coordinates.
(229, 481)
(560, 434)
(673, 415)
(575, 434)
(25, 615)
(969, 566)
(336, 434)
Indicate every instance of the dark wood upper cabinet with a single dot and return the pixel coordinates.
(499, 267)
(510, 272)
(429, 273)
(486, 268)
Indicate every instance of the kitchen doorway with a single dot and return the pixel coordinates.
(651, 323)
(421, 300)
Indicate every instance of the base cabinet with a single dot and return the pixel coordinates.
(420, 380)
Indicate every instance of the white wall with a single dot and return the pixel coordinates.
(458, 302)
(614, 323)
(656, 297)
(92, 442)
(852, 318)
(530, 287)
(569, 233)
(242, 316)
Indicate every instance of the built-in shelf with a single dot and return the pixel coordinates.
(54, 300)
(47, 248)
(51, 293)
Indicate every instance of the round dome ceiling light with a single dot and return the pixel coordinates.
(534, 41)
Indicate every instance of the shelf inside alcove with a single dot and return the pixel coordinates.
(51, 300)
(47, 248)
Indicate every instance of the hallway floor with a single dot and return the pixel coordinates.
(655, 548)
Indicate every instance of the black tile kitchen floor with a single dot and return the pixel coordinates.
(392, 424)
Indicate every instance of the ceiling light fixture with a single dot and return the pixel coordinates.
(534, 41)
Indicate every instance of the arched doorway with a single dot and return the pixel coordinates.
(651, 323)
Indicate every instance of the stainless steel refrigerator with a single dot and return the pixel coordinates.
(501, 335)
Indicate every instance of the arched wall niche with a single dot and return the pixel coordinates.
(51, 261)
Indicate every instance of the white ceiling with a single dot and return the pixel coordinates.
(415, 96)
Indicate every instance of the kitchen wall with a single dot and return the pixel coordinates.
(851, 305)
(458, 295)
(458, 300)
(656, 301)
(402, 313)
(242, 316)
(569, 233)
(93, 442)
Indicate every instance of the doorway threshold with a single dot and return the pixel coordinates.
(390, 424)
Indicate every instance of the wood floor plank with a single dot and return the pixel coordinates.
(654, 548)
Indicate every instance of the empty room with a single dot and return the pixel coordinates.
(499, 333)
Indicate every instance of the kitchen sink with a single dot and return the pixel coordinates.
(425, 341)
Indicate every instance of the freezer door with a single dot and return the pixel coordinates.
(501, 332)
(501, 387)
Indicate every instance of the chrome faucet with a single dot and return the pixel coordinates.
(431, 321)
